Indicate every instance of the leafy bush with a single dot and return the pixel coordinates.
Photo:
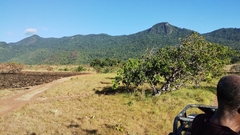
(194, 61)
(105, 63)
(80, 68)
(66, 69)
(105, 66)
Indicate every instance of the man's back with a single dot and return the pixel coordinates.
(202, 125)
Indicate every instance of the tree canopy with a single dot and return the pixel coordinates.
(193, 61)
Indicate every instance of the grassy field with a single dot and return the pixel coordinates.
(56, 68)
(87, 105)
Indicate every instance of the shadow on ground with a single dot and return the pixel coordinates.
(111, 91)
(90, 132)
(87, 131)
(122, 90)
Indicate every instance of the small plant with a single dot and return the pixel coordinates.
(119, 126)
(79, 68)
(106, 70)
(130, 103)
(66, 69)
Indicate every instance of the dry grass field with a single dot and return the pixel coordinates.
(86, 104)
(55, 68)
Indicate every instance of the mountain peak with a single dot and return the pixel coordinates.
(29, 40)
(161, 28)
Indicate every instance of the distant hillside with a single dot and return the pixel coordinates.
(81, 49)
(229, 37)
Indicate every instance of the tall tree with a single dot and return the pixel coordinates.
(195, 60)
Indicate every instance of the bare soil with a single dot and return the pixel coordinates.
(33, 85)
(26, 79)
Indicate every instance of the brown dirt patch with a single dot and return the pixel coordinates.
(31, 85)
(27, 79)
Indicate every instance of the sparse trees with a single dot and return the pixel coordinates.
(103, 65)
(195, 60)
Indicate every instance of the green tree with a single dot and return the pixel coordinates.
(97, 63)
(80, 69)
(195, 60)
(203, 59)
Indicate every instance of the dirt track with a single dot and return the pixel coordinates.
(30, 95)
(27, 79)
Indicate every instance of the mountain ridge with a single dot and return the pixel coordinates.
(79, 49)
(123, 34)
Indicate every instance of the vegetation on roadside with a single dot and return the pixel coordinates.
(194, 61)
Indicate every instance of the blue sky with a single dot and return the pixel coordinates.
(58, 18)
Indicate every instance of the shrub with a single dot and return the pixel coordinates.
(79, 68)
(66, 69)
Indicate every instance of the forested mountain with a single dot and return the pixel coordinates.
(84, 48)
(229, 37)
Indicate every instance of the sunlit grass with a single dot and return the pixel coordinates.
(56, 68)
(91, 113)
(9, 92)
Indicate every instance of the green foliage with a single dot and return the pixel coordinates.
(106, 70)
(236, 57)
(119, 126)
(105, 63)
(80, 68)
(194, 61)
(65, 69)
(229, 37)
(82, 49)
(203, 59)
(105, 66)
(97, 63)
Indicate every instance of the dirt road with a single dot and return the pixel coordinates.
(20, 99)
